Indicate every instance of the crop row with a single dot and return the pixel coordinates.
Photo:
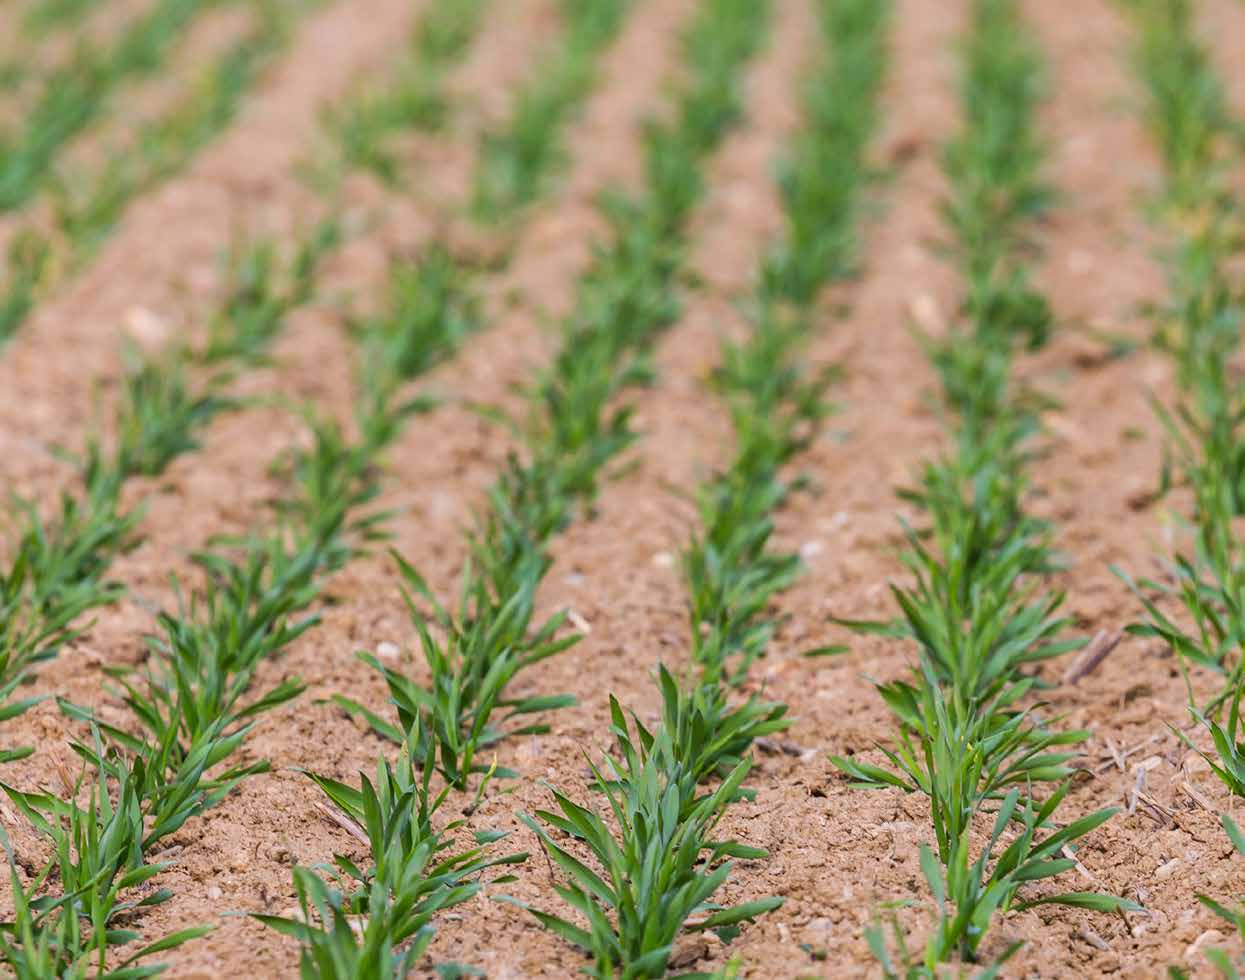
(644, 865)
(978, 610)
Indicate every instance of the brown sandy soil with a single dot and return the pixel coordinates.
(836, 853)
(1223, 29)
(1097, 270)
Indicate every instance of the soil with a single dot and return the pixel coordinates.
(836, 854)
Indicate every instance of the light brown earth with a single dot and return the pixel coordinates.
(835, 854)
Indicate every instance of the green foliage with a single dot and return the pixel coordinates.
(259, 297)
(575, 427)
(395, 817)
(43, 18)
(59, 567)
(64, 561)
(97, 862)
(975, 635)
(822, 179)
(411, 879)
(657, 870)
(87, 205)
(332, 947)
(1229, 746)
(333, 484)
(1210, 588)
(515, 162)
(365, 127)
(731, 576)
(968, 894)
(34, 626)
(27, 261)
(1200, 328)
(961, 754)
(903, 965)
(994, 167)
(432, 309)
(472, 658)
(158, 417)
(1187, 108)
(977, 610)
(707, 734)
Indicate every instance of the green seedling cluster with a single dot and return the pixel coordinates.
(515, 162)
(573, 430)
(430, 311)
(27, 260)
(823, 176)
(193, 705)
(417, 871)
(660, 866)
(86, 206)
(1200, 329)
(364, 128)
(42, 19)
(100, 872)
(978, 611)
(775, 403)
(59, 566)
(194, 701)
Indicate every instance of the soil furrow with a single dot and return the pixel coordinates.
(444, 463)
(101, 26)
(642, 520)
(225, 487)
(836, 855)
(1095, 479)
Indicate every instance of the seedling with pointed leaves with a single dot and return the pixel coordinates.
(656, 871)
